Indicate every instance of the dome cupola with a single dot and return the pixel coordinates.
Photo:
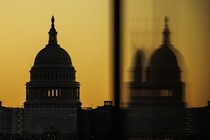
(164, 55)
(52, 53)
(163, 66)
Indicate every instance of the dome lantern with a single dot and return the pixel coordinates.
(163, 65)
(166, 33)
(52, 54)
(52, 33)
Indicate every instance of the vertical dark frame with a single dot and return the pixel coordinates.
(117, 50)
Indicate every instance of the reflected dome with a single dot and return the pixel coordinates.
(163, 67)
(163, 56)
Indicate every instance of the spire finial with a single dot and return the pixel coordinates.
(166, 32)
(52, 32)
(166, 20)
(52, 19)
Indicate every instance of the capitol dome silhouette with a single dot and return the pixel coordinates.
(163, 67)
(53, 76)
(164, 56)
(51, 55)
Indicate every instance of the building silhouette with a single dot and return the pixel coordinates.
(52, 94)
(11, 122)
(156, 110)
(198, 123)
(52, 109)
(157, 107)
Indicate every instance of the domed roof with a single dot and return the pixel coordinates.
(163, 67)
(52, 53)
(163, 56)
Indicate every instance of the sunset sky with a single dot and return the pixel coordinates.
(84, 31)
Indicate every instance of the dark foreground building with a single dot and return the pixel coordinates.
(198, 123)
(11, 122)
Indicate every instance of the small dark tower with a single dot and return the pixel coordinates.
(137, 77)
(52, 94)
(157, 107)
(138, 67)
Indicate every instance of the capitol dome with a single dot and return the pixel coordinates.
(163, 66)
(51, 55)
(163, 56)
(53, 76)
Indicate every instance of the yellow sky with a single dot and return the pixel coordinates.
(84, 31)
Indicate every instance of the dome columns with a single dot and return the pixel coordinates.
(58, 73)
(50, 93)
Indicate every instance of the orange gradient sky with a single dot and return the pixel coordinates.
(84, 31)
